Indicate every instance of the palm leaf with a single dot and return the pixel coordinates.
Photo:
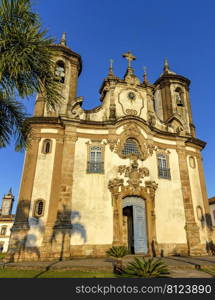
(13, 122)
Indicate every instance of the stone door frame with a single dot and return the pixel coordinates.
(117, 199)
(134, 201)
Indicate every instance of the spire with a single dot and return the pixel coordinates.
(110, 73)
(63, 39)
(145, 79)
(166, 66)
(10, 191)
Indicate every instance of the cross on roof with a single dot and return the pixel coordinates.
(129, 56)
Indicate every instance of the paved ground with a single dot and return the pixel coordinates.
(180, 267)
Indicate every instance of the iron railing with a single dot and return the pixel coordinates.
(164, 173)
(95, 167)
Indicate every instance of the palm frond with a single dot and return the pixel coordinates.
(13, 122)
(26, 55)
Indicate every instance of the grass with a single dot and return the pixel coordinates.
(209, 270)
(8, 273)
(2, 255)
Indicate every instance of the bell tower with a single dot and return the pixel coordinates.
(172, 99)
(68, 66)
(7, 203)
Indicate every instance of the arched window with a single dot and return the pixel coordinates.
(60, 71)
(95, 162)
(3, 230)
(179, 97)
(47, 145)
(163, 166)
(39, 208)
(131, 147)
(192, 162)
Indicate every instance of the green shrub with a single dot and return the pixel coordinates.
(117, 251)
(141, 267)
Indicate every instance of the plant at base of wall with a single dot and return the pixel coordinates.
(141, 267)
(117, 252)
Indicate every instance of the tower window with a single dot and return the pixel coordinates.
(163, 166)
(179, 97)
(95, 163)
(39, 208)
(60, 71)
(3, 230)
(131, 147)
(47, 145)
(192, 162)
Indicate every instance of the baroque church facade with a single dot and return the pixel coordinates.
(128, 172)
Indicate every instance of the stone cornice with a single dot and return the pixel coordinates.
(110, 123)
(167, 77)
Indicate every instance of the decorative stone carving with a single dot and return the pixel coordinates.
(114, 185)
(133, 131)
(75, 109)
(132, 112)
(151, 119)
(112, 112)
(134, 174)
(133, 187)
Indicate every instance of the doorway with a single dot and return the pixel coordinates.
(134, 225)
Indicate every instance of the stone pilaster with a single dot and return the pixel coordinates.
(21, 226)
(191, 228)
(39, 106)
(63, 227)
(166, 100)
(204, 196)
(46, 249)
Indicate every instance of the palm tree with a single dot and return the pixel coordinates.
(26, 66)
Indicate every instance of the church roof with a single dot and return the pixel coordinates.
(211, 200)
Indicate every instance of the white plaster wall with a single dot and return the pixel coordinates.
(91, 201)
(169, 206)
(5, 239)
(41, 190)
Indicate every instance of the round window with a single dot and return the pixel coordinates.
(131, 96)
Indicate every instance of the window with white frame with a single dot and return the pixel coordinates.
(95, 162)
(163, 166)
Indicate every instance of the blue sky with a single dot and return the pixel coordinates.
(182, 31)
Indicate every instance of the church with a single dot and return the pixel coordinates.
(127, 172)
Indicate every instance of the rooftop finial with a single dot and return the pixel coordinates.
(129, 56)
(63, 39)
(111, 68)
(166, 66)
(145, 80)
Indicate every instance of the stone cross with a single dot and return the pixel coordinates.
(129, 56)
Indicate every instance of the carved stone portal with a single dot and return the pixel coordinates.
(121, 188)
(131, 131)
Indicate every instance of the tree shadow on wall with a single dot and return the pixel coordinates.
(25, 247)
(63, 230)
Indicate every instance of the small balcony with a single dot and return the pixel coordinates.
(95, 167)
(164, 173)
